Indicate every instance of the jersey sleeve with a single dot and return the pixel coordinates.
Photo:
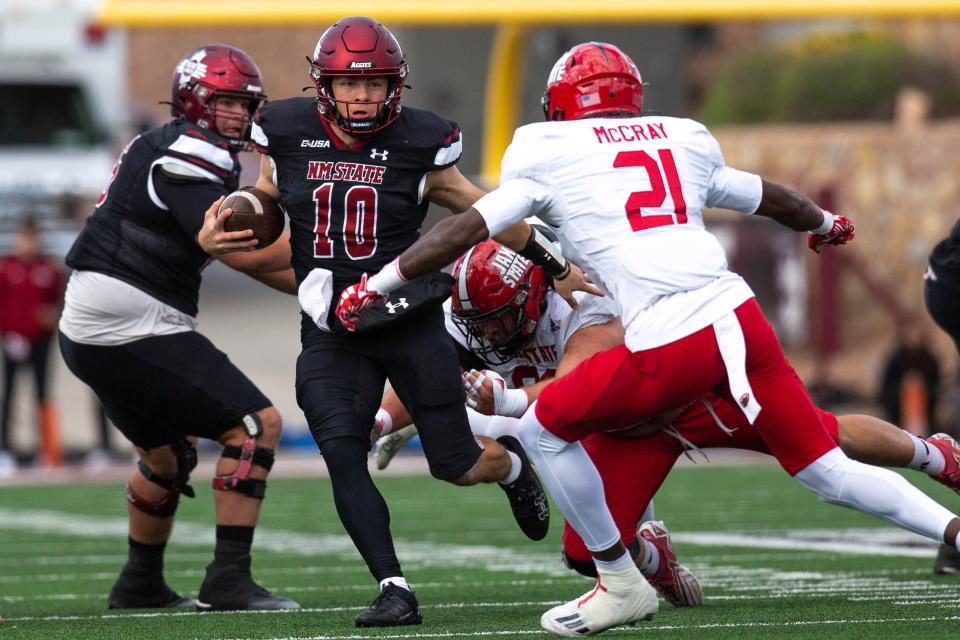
(731, 188)
(523, 191)
(186, 199)
(450, 149)
(258, 134)
(593, 310)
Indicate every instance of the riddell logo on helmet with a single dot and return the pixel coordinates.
(361, 65)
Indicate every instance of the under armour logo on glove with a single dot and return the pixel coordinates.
(354, 300)
(840, 233)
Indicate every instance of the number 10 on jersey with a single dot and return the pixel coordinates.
(359, 215)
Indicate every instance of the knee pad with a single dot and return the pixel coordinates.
(186, 456)
(248, 454)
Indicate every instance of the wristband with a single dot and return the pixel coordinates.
(546, 255)
(827, 225)
(387, 279)
(513, 403)
(386, 420)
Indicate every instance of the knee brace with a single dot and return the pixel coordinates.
(248, 454)
(586, 567)
(186, 456)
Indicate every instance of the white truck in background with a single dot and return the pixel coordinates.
(63, 111)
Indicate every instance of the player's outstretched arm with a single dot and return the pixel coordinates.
(800, 213)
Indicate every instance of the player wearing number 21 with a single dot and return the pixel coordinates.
(625, 193)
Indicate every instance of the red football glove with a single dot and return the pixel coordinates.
(841, 233)
(354, 300)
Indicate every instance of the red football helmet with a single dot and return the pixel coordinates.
(498, 300)
(363, 47)
(592, 79)
(216, 71)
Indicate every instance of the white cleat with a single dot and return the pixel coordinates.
(390, 444)
(624, 597)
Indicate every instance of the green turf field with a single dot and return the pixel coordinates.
(774, 562)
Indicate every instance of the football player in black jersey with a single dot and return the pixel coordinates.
(128, 330)
(356, 173)
(941, 293)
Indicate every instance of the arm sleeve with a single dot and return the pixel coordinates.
(187, 199)
(512, 201)
(730, 188)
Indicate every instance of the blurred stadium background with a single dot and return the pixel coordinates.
(855, 101)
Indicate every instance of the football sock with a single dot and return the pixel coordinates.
(614, 565)
(233, 545)
(647, 515)
(145, 558)
(571, 479)
(398, 581)
(651, 559)
(515, 466)
(926, 457)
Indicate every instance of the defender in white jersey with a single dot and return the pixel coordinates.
(625, 194)
(508, 322)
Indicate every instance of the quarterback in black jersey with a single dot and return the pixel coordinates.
(356, 174)
(128, 330)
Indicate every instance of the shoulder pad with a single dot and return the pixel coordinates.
(440, 138)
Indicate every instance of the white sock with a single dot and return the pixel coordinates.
(648, 514)
(926, 457)
(614, 565)
(399, 581)
(515, 466)
(651, 558)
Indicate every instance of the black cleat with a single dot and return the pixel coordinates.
(230, 588)
(527, 499)
(394, 607)
(135, 590)
(947, 562)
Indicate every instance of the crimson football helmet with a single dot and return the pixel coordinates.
(362, 47)
(498, 300)
(216, 71)
(593, 79)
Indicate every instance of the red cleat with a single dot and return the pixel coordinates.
(673, 581)
(950, 448)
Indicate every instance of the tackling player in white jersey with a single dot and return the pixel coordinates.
(625, 194)
(514, 334)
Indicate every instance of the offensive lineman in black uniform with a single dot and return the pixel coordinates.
(128, 330)
(941, 293)
(355, 173)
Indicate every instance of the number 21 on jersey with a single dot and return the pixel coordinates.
(656, 195)
(359, 224)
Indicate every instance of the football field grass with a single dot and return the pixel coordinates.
(774, 563)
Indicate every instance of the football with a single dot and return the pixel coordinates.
(254, 209)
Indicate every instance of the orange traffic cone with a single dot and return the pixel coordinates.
(913, 405)
(50, 435)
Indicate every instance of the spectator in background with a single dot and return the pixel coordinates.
(941, 293)
(911, 382)
(31, 290)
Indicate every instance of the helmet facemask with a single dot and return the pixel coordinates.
(386, 110)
